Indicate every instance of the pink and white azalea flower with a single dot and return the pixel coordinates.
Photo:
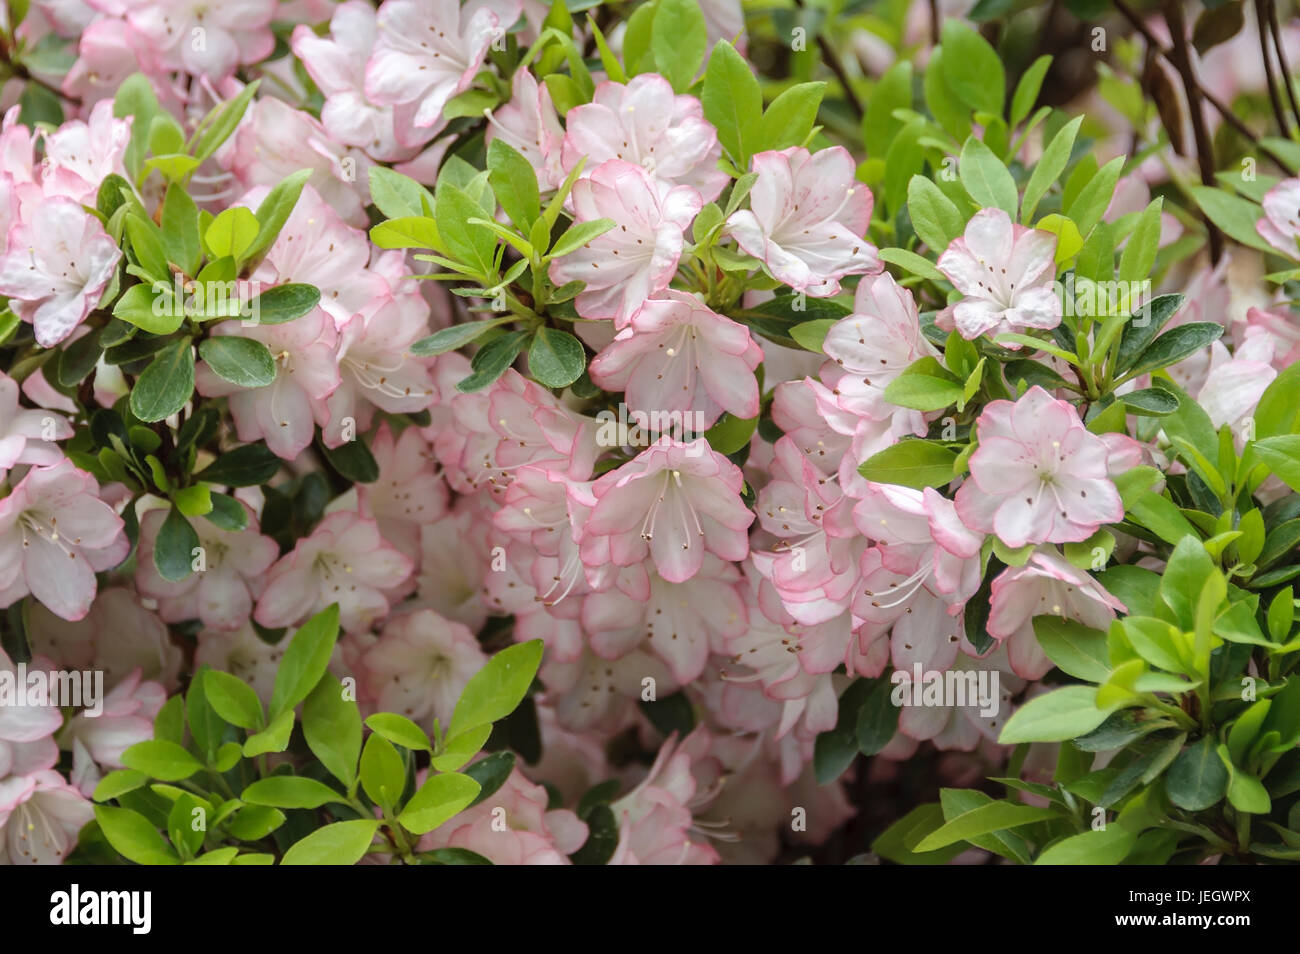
(284, 412)
(206, 39)
(55, 534)
(59, 261)
(529, 125)
(1280, 226)
(532, 835)
(222, 593)
(1047, 585)
(429, 50)
(344, 561)
(646, 123)
(420, 665)
(679, 356)
(636, 259)
(27, 435)
(1005, 271)
(1039, 475)
(40, 818)
(27, 731)
(807, 218)
(672, 503)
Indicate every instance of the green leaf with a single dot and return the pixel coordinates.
(1027, 90)
(514, 182)
(275, 210)
(458, 749)
(556, 358)
(790, 117)
(1235, 216)
(925, 386)
(731, 433)
(439, 799)
(455, 336)
(255, 822)
(118, 783)
(219, 124)
(1151, 402)
(1282, 456)
(331, 725)
(679, 39)
(233, 699)
(934, 217)
(1107, 846)
(383, 772)
(911, 463)
(1198, 778)
(1091, 203)
(305, 660)
(282, 303)
(400, 730)
(342, 843)
(733, 103)
(1139, 255)
(398, 196)
(471, 245)
(150, 308)
(290, 791)
(1175, 345)
(173, 550)
(408, 231)
(491, 361)
(892, 91)
(1076, 649)
(1054, 717)
(994, 816)
(247, 465)
(231, 233)
(578, 235)
(972, 68)
(491, 773)
(180, 230)
(353, 460)
(812, 334)
(147, 248)
(165, 761)
(245, 362)
(493, 692)
(274, 738)
(1049, 166)
(134, 837)
(985, 177)
(166, 385)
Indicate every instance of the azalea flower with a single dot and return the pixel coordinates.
(532, 834)
(126, 717)
(673, 503)
(40, 818)
(807, 218)
(408, 494)
(337, 64)
(1047, 585)
(27, 436)
(647, 124)
(55, 534)
(57, 265)
(679, 356)
(80, 155)
(344, 561)
(636, 259)
(283, 412)
(222, 593)
(1280, 226)
(27, 731)
(1039, 475)
(203, 38)
(1005, 271)
(243, 653)
(429, 50)
(529, 125)
(656, 818)
(119, 637)
(420, 666)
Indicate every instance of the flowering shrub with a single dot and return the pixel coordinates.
(658, 432)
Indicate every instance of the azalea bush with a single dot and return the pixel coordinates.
(651, 432)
